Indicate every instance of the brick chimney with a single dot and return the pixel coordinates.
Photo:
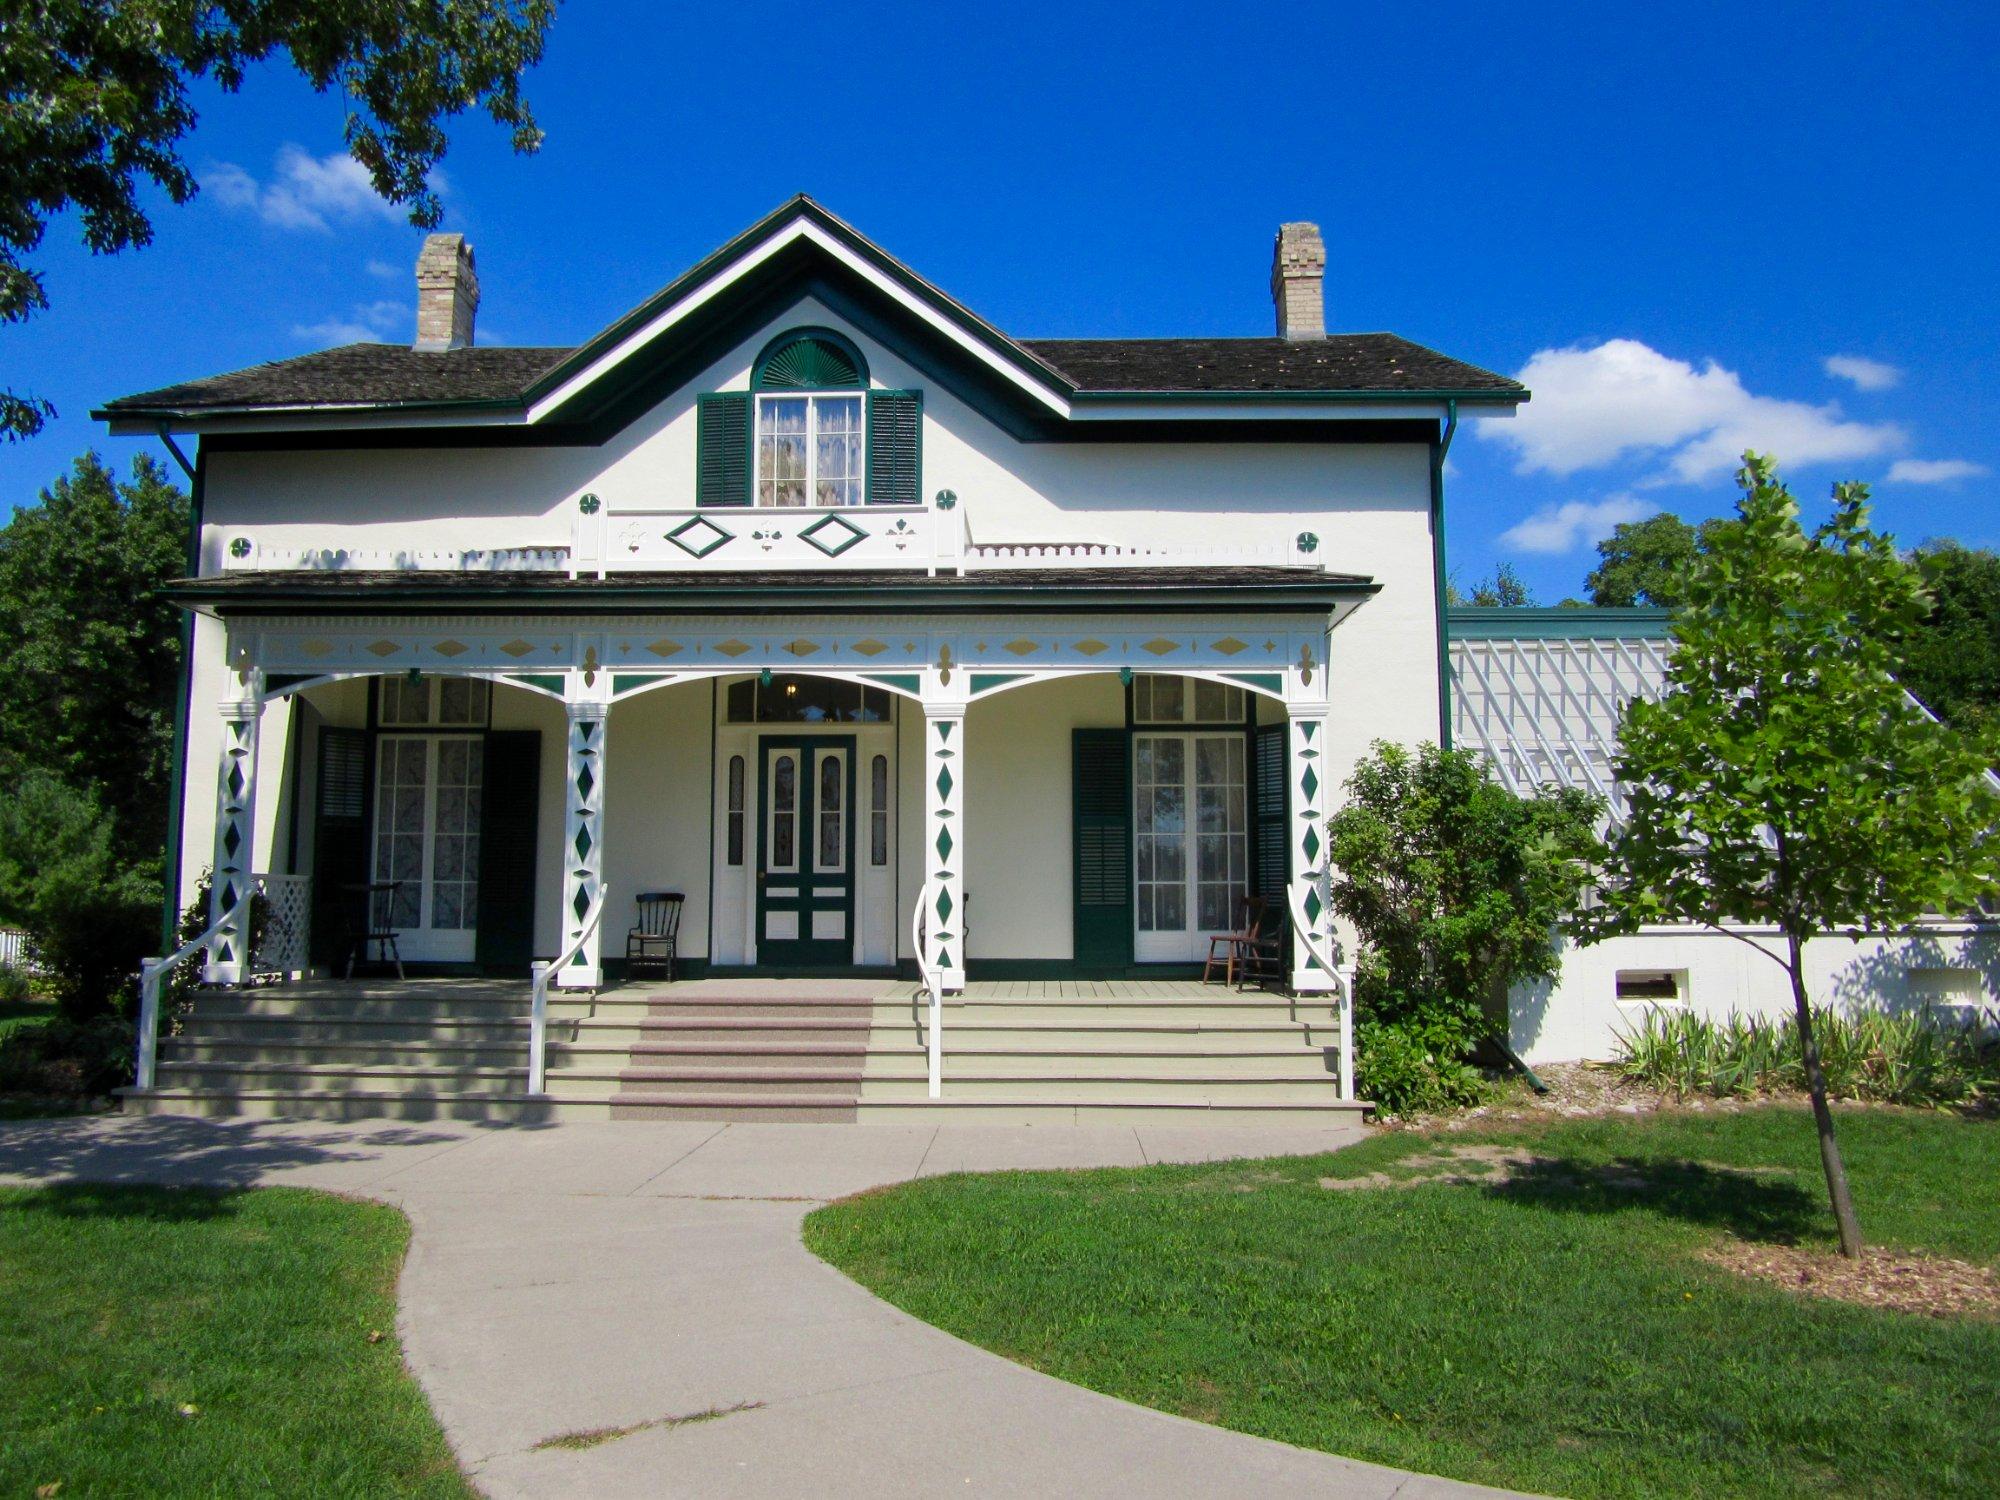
(1298, 271)
(447, 294)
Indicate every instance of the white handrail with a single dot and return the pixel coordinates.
(150, 970)
(933, 981)
(1343, 979)
(538, 1012)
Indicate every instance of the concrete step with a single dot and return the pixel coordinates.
(621, 1004)
(339, 1078)
(200, 1048)
(1058, 1111)
(718, 1106)
(363, 1030)
(415, 1006)
(317, 1104)
(747, 1082)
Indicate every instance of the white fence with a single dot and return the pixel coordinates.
(14, 949)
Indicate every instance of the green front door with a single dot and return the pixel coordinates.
(805, 853)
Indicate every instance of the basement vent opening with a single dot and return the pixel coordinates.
(1649, 984)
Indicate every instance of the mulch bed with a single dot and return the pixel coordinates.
(1933, 1285)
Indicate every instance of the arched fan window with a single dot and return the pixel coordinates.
(810, 387)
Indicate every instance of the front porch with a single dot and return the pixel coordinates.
(825, 1050)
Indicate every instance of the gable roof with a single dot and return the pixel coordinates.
(801, 249)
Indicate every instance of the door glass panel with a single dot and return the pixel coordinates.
(400, 802)
(455, 831)
(832, 812)
(878, 811)
(1159, 777)
(1221, 864)
(735, 813)
(783, 853)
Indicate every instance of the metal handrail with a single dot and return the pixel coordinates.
(538, 1012)
(150, 972)
(1343, 979)
(933, 982)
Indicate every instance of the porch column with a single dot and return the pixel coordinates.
(583, 841)
(1310, 887)
(944, 822)
(228, 960)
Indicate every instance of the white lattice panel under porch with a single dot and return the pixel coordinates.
(285, 946)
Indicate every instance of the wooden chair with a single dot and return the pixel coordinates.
(654, 943)
(367, 911)
(1226, 948)
(1264, 956)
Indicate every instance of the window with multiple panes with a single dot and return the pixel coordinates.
(878, 811)
(736, 810)
(1185, 700)
(434, 703)
(810, 450)
(793, 699)
(811, 431)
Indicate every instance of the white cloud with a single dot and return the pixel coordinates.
(1934, 470)
(367, 323)
(383, 269)
(1593, 406)
(1560, 528)
(1863, 373)
(304, 191)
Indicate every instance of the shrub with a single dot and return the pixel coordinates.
(90, 915)
(1455, 886)
(1868, 1055)
(67, 1059)
(15, 985)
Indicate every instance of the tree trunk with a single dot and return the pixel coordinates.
(1829, 1148)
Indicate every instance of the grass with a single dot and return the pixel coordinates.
(183, 1342)
(1553, 1332)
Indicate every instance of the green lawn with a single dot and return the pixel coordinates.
(17, 1013)
(1552, 1333)
(178, 1342)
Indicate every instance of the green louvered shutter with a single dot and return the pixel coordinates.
(722, 449)
(340, 836)
(1101, 800)
(1270, 816)
(895, 447)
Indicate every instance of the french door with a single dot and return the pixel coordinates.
(805, 853)
(428, 790)
(1191, 845)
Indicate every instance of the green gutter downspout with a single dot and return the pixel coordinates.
(1439, 449)
(170, 901)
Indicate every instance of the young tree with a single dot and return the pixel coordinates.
(93, 652)
(1504, 590)
(1455, 886)
(96, 97)
(1784, 779)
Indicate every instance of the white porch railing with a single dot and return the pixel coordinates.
(538, 1009)
(153, 971)
(1343, 978)
(933, 981)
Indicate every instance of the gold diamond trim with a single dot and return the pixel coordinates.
(317, 648)
(1022, 648)
(383, 648)
(870, 647)
(1091, 648)
(802, 647)
(1160, 645)
(518, 648)
(449, 649)
(733, 647)
(664, 649)
(1229, 645)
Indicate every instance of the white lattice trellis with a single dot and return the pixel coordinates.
(283, 949)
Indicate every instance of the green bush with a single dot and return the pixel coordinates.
(15, 985)
(1455, 886)
(90, 915)
(1868, 1055)
(67, 1059)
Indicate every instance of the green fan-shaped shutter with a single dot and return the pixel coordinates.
(1101, 802)
(722, 449)
(895, 447)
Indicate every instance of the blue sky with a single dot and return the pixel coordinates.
(1671, 218)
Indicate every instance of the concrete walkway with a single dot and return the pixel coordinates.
(577, 1277)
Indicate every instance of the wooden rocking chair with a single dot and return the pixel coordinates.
(1226, 949)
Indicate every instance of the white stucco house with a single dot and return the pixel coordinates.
(962, 687)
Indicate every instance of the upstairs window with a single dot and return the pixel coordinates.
(810, 432)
